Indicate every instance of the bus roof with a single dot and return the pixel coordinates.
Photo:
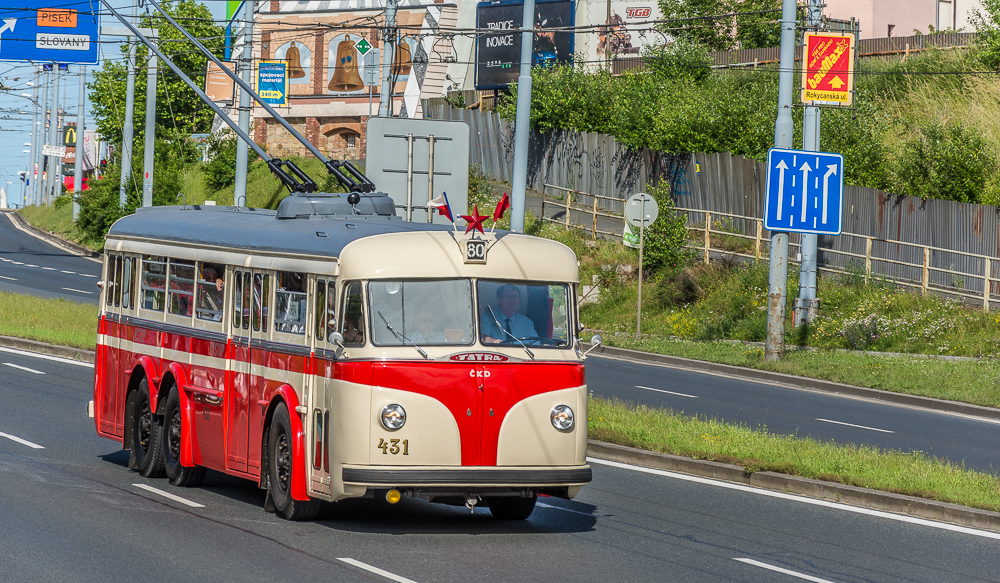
(256, 230)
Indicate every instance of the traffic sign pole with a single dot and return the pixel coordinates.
(774, 346)
(806, 304)
(127, 131)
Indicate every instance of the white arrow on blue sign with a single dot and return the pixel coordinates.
(60, 31)
(804, 192)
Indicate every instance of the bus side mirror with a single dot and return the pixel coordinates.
(595, 341)
(338, 339)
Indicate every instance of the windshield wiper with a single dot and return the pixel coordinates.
(401, 337)
(504, 330)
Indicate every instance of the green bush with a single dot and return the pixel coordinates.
(949, 162)
(663, 245)
(220, 170)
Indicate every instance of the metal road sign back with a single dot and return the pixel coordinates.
(61, 31)
(804, 192)
(828, 68)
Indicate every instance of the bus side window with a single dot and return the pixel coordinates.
(127, 279)
(320, 309)
(208, 292)
(290, 303)
(238, 299)
(154, 283)
(245, 316)
(109, 298)
(181, 287)
(118, 281)
(353, 320)
(261, 295)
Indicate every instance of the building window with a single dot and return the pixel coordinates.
(352, 141)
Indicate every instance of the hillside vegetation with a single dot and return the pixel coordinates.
(927, 125)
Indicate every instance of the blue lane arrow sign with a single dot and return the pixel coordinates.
(61, 31)
(804, 192)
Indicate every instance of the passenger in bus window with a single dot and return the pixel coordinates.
(210, 295)
(424, 327)
(509, 322)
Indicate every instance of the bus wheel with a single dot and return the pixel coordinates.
(511, 507)
(177, 474)
(279, 470)
(146, 434)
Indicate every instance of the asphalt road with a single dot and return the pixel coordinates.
(73, 512)
(793, 411)
(31, 266)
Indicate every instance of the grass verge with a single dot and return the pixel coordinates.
(913, 474)
(59, 322)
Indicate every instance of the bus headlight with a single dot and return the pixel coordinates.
(562, 417)
(393, 417)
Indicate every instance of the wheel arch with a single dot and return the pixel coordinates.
(287, 395)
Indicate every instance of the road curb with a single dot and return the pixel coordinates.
(51, 238)
(49, 349)
(839, 493)
(802, 382)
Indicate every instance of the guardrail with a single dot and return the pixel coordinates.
(708, 238)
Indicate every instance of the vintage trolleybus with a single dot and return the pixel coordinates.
(331, 350)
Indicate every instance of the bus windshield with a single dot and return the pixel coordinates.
(424, 313)
(535, 314)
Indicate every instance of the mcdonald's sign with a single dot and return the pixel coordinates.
(69, 136)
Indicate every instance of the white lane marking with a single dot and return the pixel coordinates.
(69, 272)
(169, 495)
(30, 265)
(47, 357)
(86, 275)
(376, 570)
(17, 263)
(785, 571)
(21, 441)
(803, 499)
(17, 366)
(79, 291)
(667, 392)
(9, 278)
(544, 505)
(853, 425)
(50, 269)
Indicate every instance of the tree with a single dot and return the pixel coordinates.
(987, 24)
(721, 25)
(179, 111)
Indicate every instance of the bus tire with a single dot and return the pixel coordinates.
(511, 508)
(279, 470)
(146, 435)
(177, 474)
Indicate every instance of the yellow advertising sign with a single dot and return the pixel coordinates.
(828, 68)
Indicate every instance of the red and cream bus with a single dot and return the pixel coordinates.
(331, 350)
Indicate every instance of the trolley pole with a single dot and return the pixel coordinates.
(774, 348)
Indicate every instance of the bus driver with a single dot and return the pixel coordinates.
(511, 322)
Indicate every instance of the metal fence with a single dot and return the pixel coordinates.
(961, 235)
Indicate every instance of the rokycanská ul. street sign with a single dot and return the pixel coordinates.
(804, 192)
(63, 31)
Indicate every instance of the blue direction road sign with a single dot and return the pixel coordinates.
(804, 192)
(62, 31)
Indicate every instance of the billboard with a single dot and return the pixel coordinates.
(828, 72)
(498, 50)
(272, 86)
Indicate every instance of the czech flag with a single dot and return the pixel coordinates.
(442, 206)
(502, 207)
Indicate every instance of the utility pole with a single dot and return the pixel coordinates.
(127, 130)
(50, 174)
(522, 120)
(777, 288)
(246, 66)
(35, 143)
(150, 130)
(78, 169)
(805, 305)
(388, 50)
(37, 190)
